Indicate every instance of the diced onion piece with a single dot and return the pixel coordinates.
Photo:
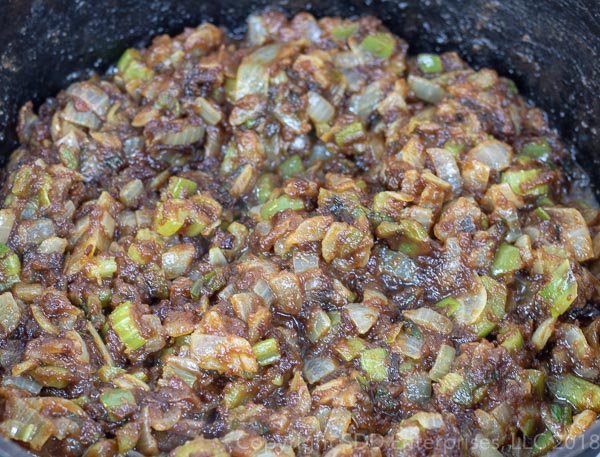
(225, 354)
(180, 134)
(493, 153)
(443, 362)
(543, 333)
(337, 424)
(318, 325)
(430, 320)
(425, 89)
(208, 112)
(312, 229)
(429, 421)
(473, 303)
(363, 317)
(304, 261)
(417, 387)
(319, 109)
(10, 313)
(252, 74)
(408, 345)
(83, 118)
(318, 368)
(177, 260)
(7, 221)
(446, 168)
(483, 447)
(574, 231)
(130, 192)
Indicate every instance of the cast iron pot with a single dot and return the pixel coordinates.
(550, 48)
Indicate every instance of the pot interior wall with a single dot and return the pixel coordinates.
(550, 49)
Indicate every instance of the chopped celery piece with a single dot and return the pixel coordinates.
(181, 187)
(123, 323)
(507, 260)
(292, 166)
(104, 268)
(349, 134)
(236, 394)
(350, 348)
(578, 392)
(430, 63)
(264, 187)
(451, 303)
(537, 379)
(281, 203)
(561, 291)
(266, 351)
(137, 70)
(207, 284)
(454, 147)
(536, 149)
(543, 443)
(379, 45)
(373, 363)
(518, 181)
(561, 414)
(514, 340)
(115, 399)
(343, 32)
(127, 57)
(542, 213)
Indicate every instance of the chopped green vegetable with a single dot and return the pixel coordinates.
(379, 45)
(122, 320)
(281, 203)
(267, 351)
(292, 166)
(507, 260)
(343, 32)
(521, 182)
(349, 134)
(114, 400)
(430, 63)
(577, 391)
(543, 443)
(536, 149)
(561, 291)
(373, 362)
(181, 187)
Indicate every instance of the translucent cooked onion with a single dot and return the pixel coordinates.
(493, 153)
(425, 89)
(319, 109)
(362, 316)
(317, 368)
(429, 319)
(446, 168)
(304, 261)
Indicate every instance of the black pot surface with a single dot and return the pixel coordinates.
(550, 48)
